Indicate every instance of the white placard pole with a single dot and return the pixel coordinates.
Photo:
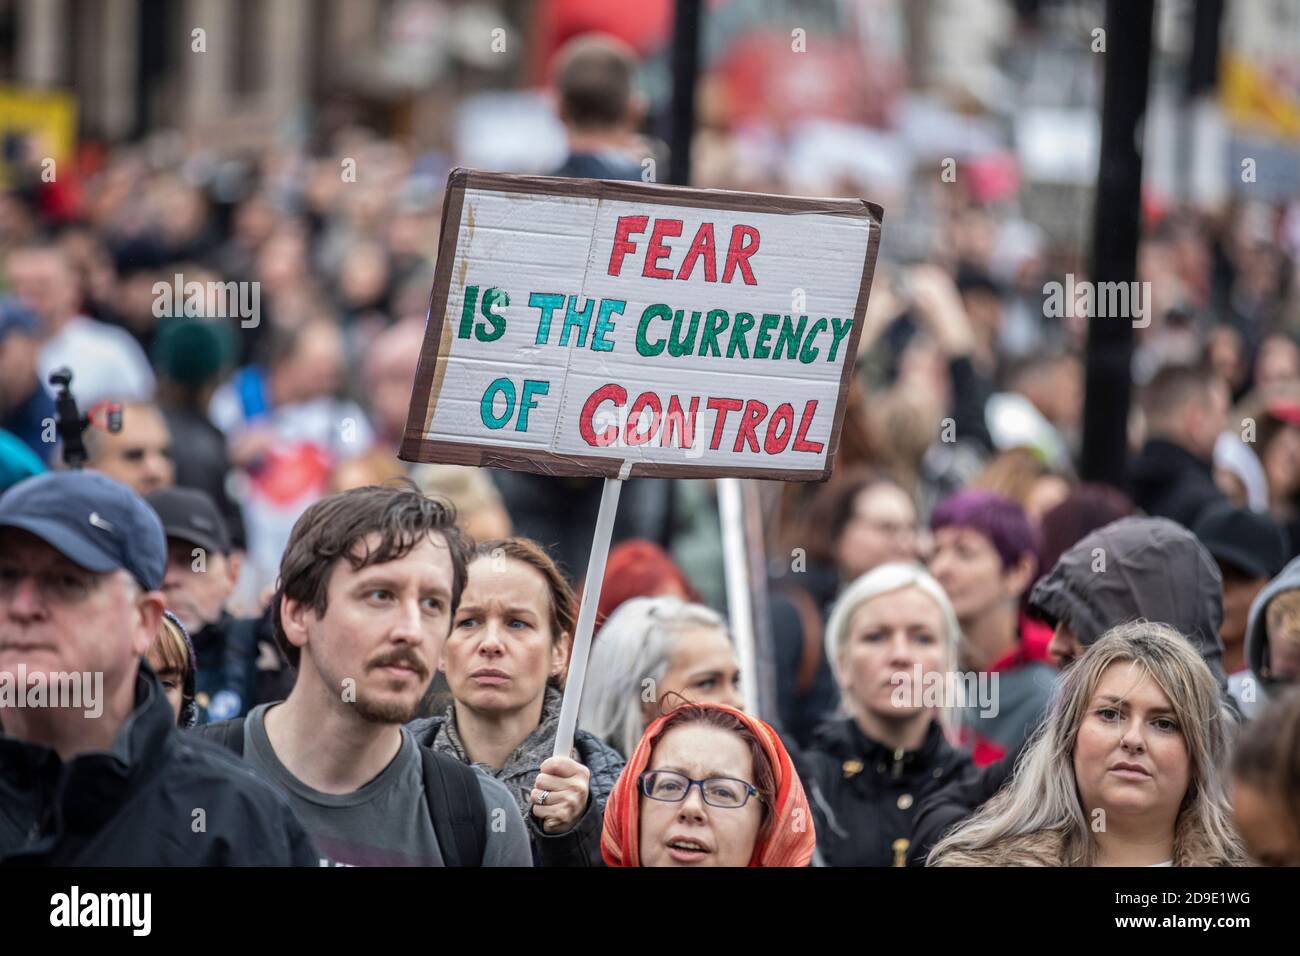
(587, 617)
(740, 609)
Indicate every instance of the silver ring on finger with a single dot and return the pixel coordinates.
(541, 801)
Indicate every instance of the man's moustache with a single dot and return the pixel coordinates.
(407, 658)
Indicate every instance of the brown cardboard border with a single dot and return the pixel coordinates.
(432, 365)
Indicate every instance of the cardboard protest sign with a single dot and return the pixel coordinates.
(582, 327)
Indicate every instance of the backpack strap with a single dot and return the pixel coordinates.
(227, 733)
(456, 808)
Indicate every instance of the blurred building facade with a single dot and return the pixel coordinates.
(238, 73)
(235, 70)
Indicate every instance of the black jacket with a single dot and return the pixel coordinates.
(970, 398)
(940, 812)
(159, 797)
(202, 462)
(226, 651)
(864, 795)
(799, 605)
(1168, 481)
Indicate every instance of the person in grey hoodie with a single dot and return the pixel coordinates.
(1272, 643)
(1131, 569)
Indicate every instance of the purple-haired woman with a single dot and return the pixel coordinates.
(986, 557)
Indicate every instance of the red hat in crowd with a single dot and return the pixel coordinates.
(638, 569)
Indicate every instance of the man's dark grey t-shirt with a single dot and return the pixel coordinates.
(385, 822)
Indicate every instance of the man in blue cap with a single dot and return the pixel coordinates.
(104, 777)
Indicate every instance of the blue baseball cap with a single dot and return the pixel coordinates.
(16, 317)
(95, 522)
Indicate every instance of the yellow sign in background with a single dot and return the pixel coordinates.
(47, 120)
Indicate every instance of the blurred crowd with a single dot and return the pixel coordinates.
(955, 535)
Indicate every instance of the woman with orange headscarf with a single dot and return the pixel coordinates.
(708, 785)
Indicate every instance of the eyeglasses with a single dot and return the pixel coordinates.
(672, 787)
(63, 587)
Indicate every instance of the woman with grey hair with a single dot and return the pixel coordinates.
(1125, 771)
(892, 643)
(650, 648)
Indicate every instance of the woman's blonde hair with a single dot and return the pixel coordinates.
(171, 648)
(1012, 474)
(1037, 818)
(886, 579)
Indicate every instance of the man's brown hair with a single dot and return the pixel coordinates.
(594, 77)
(334, 528)
(1170, 390)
